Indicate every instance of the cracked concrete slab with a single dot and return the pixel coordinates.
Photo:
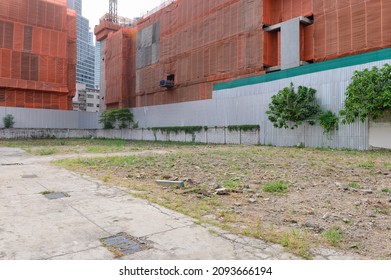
(70, 228)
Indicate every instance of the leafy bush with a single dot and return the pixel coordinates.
(290, 108)
(368, 95)
(122, 117)
(329, 121)
(8, 121)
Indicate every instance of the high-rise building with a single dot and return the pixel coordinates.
(85, 67)
(37, 54)
(97, 64)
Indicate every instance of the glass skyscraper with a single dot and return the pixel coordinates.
(85, 67)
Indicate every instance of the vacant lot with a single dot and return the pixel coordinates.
(300, 198)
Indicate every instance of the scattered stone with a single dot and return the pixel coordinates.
(325, 216)
(246, 186)
(266, 199)
(314, 226)
(357, 203)
(367, 191)
(165, 183)
(338, 184)
(222, 191)
(236, 191)
(252, 200)
(258, 195)
(237, 204)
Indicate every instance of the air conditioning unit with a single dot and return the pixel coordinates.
(167, 83)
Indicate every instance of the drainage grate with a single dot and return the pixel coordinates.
(123, 244)
(29, 176)
(56, 195)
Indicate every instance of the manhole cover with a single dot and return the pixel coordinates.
(56, 195)
(123, 244)
(29, 176)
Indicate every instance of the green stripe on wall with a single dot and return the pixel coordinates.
(308, 69)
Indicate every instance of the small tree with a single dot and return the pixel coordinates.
(107, 118)
(8, 121)
(122, 117)
(290, 108)
(368, 95)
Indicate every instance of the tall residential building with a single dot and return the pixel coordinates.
(85, 67)
(97, 64)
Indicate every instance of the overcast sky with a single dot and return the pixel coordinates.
(94, 9)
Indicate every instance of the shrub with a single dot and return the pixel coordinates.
(8, 121)
(290, 108)
(368, 95)
(122, 117)
(329, 121)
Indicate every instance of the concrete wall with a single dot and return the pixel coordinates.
(219, 135)
(380, 135)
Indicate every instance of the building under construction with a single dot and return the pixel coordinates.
(184, 47)
(37, 54)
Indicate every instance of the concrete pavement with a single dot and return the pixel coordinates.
(35, 227)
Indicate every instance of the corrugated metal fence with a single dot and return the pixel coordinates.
(41, 118)
(248, 105)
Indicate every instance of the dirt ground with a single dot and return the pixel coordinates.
(339, 199)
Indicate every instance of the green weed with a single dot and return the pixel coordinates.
(275, 187)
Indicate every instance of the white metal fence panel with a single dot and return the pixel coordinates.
(41, 118)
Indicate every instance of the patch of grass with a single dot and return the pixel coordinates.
(295, 241)
(46, 151)
(353, 185)
(232, 183)
(386, 190)
(367, 164)
(275, 187)
(334, 236)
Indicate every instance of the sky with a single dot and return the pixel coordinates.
(95, 9)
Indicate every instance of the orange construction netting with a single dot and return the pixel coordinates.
(35, 56)
(348, 27)
(120, 68)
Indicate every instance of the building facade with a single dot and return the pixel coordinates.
(200, 43)
(86, 99)
(97, 65)
(37, 54)
(85, 67)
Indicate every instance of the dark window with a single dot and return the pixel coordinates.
(2, 95)
(1, 34)
(25, 66)
(8, 35)
(34, 67)
(28, 38)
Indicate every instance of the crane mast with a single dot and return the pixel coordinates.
(113, 10)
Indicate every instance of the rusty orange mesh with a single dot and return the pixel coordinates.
(201, 42)
(120, 68)
(34, 53)
(349, 27)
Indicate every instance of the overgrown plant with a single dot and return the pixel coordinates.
(246, 127)
(289, 108)
(368, 95)
(121, 117)
(329, 121)
(9, 121)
